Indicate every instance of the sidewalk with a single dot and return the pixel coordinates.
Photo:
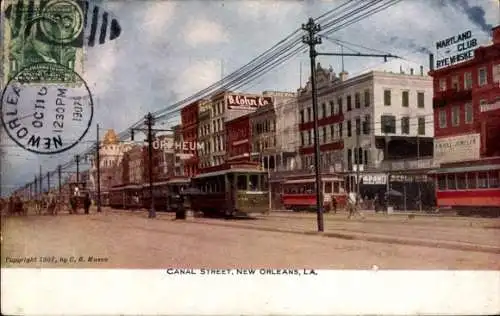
(332, 232)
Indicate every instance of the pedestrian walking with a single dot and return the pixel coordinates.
(73, 205)
(334, 204)
(353, 201)
(86, 203)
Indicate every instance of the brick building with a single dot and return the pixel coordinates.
(189, 123)
(467, 106)
(213, 113)
(238, 137)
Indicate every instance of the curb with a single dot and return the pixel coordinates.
(357, 236)
(370, 237)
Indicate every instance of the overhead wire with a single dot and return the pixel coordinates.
(238, 75)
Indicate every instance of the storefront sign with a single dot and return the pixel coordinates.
(243, 101)
(374, 179)
(455, 49)
(457, 148)
(491, 106)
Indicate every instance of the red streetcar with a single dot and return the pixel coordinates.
(299, 192)
(470, 189)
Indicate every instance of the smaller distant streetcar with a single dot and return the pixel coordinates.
(471, 188)
(299, 192)
(231, 190)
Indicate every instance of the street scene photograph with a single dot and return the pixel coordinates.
(286, 135)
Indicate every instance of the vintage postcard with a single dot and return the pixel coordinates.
(233, 150)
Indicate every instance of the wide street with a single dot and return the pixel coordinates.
(124, 239)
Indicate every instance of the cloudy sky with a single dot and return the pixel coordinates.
(169, 50)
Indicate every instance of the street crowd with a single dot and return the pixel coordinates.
(48, 204)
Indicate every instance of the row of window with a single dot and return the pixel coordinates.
(469, 180)
(334, 109)
(265, 126)
(335, 132)
(218, 125)
(388, 124)
(455, 115)
(405, 98)
(467, 82)
(264, 143)
(328, 188)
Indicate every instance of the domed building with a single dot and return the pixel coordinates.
(111, 154)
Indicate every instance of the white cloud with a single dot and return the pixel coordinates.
(198, 75)
(157, 18)
(205, 32)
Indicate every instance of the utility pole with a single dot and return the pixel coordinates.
(312, 40)
(48, 181)
(98, 164)
(77, 158)
(59, 178)
(41, 178)
(358, 162)
(36, 187)
(149, 124)
(418, 166)
(389, 167)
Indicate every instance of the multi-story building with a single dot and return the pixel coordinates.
(467, 131)
(178, 150)
(213, 113)
(238, 137)
(269, 143)
(189, 122)
(467, 106)
(137, 158)
(163, 159)
(381, 106)
(111, 153)
(204, 134)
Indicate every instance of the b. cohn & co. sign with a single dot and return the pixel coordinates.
(234, 101)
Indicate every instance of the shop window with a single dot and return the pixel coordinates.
(336, 187)
(332, 108)
(349, 129)
(468, 80)
(388, 123)
(442, 119)
(405, 125)
(341, 106)
(461, 181)
(451, 182)
(482, 180)
(442, 182)
(493, 179)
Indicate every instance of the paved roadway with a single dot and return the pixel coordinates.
(121, 239)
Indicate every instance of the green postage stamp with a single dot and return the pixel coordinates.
(36, 31)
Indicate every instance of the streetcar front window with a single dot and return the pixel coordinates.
(241, 182)
(328, 187)
(451, 182)
(253, 183)
(264, 182)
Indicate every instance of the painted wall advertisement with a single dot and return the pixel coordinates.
(457, 148)
(247, 102)
(455, 49)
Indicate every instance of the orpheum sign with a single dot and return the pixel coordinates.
(457, 148)
(244, 101)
